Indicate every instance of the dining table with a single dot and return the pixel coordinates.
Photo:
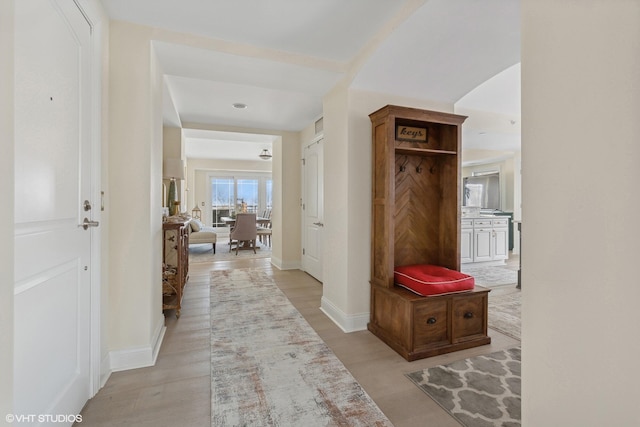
(261, 222)
(232, 221)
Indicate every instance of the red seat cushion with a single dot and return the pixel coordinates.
(425, 279)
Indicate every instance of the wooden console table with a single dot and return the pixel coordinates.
(175, 264)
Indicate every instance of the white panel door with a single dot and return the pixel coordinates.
(52, 179)
(313, 210)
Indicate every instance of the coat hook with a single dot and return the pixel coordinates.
(419, 168)
(432, 168)
(403, 167)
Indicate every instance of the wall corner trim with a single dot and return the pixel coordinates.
(105, 370)
(140, 357)
(346, 322)
(285, 265)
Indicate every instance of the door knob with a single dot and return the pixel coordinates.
(319, 224)
(87, 223)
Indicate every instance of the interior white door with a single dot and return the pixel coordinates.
(313, 209)
(52, 181)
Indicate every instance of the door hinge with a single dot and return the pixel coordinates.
(304, 162)
(303, 251)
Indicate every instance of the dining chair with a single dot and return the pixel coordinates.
(245, 231)
(264, 233)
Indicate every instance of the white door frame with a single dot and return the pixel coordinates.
(98, 369)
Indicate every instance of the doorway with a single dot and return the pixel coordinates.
(231, 192)
(313, 208)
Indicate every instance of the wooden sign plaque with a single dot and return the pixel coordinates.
(412, 134)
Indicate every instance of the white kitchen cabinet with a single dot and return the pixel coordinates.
(487, 238)
(483, 245)
(501, 241)
(466, 241)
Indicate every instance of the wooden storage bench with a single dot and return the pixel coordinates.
(429, 326)
(415, 220)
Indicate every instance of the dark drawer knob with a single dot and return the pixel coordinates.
(468, 315)
(431, 320)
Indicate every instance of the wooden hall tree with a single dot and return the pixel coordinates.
(416, 220)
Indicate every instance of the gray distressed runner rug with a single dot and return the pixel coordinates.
(270, 368)
(483, 391)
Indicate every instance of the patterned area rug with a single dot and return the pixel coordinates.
(483, 391)
(270, 368)
(490, 276)
(204, 253)
(504, 313)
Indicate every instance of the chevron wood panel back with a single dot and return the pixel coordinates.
(422, 224)
(415, 230)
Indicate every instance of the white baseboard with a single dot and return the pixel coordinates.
(105, 369)
(141, 357)
(288, 265)
(158, 338)
(346, 322)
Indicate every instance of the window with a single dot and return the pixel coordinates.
(248, 193)
(230, 191)
(269, 194)
(222, 198)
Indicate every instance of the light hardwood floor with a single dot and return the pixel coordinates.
(176, 391)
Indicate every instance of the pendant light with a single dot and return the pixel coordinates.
(265, 155)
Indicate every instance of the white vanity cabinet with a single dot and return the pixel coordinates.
(484, 239)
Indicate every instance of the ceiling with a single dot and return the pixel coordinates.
(280, 57)
(204, 144)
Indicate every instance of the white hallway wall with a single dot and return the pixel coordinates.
(7, 190)
(347, 200)
(580, 152)
(135, 177)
